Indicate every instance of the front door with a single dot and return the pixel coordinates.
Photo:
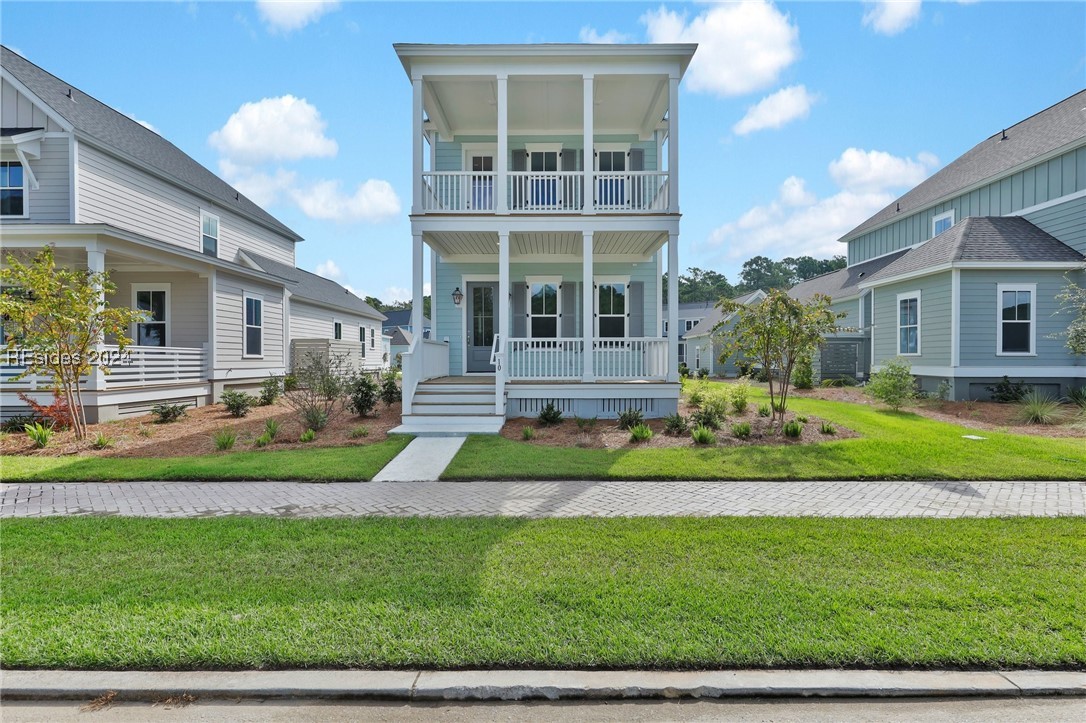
(482, 324)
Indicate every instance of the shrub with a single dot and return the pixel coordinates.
(549, 415)
(744, 367)
(706, 417)
(764, 410)
(237, 403)
(144, 431)
(893, 385)
(101, 441)
(1037, 408)
(630, 418)
(703, 373)
(271, 428)
(39, 434)
(585, 424)
(778, 407)
(307, 436)
(390, 389)
(19, 422)
(359, 432)
(696, 396)
(363, 394)
(717, 403)
(761, 374)
(290, 383)
(801, 418)
(684, 371)
(827, 428)
(676, 424)
(57, 415)
(739, 392)
(741, 430)
(315, 418)
(165, 413)
(527, 434)
(225, 439)
(640, 433)
(703, 435)
(803, 374)
(942, 392)
(847, 381)
(314, 395)
(828, 383)
(1077, 396)
(263, 440)
(1007, 392)
(793, 429)
(270, 389)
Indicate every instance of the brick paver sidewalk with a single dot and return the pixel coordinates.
(547, 499)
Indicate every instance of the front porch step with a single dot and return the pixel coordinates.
(428, 388)
(432, 397)
(460, 409)
(441, 425)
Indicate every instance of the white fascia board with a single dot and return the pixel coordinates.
(573, 223)
(1049, 204)
(296, 297)
(905, 277)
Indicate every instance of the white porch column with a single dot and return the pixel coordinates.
(504, 322)
(96, 264)
(501, 202)
(673, 147)
(416, 285)
(660, 291)
(433, 294)
(212, 298)
(588, 297)
(418, 140)
(589, 143)
(673, 307)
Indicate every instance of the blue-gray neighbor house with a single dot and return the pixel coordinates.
(960, 275)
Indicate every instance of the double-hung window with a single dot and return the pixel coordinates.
(908, 323)
(611, 314)
(337, 330)
(362, 339)
(209, 233)
(153, 300)
(543, 307)
(12, 189)
(254, 326)
(1015, 330)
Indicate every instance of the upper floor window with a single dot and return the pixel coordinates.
(611, 315)
(362, 339)
(1015, 330)
(691, 323)
(12, 189)
(543, 304)
(254, 326)
(209, 229)
(942, 222)
(908, 323)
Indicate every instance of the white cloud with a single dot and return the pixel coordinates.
(798, 223)
(589, 34)
(373, 201)
(890, 17)
(285, 16)
(860, 170)
(263, 189)
(284, 128)
(143, 123)
(395, 293)
(776, 110)
(742, 47)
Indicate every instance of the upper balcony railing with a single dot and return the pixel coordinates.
(560, 192)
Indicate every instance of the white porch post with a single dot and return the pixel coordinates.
(212, 282)
(501, 202)
(673, 307)
(96, 263)
(433, 294)
(588, 332)
(673, 147)
(418, 140)
(660, 291)
(416, 285)
(589, 144)
(504, 324)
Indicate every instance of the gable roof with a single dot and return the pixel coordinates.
(402, 317)
(1040, 134)
(309, 286)
(982, 238)
(843, 283)
(715, 315)
(113, 130)
(401, 337)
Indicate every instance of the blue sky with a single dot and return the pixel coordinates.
(799, 119)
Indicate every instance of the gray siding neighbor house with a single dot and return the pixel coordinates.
(704, 343)
(214, 271)
(960, 275)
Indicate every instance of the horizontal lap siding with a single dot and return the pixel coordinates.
(935, 320)
(1065, 221)
(229, 323)
(114, 192)
(314, 322)
(980, 310)
(51, 201)
(188, 302)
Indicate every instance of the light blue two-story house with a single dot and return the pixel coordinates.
(546, 188)
(960, 275)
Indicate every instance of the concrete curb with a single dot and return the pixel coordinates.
(513, 685)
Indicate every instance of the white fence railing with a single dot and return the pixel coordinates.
(458, 192)
(435, 359)
(136, 366)
(563, 359)
(543, 359)
(630, 358)
(554, 191)
(637, 191)
(546, 192)
(424, 359)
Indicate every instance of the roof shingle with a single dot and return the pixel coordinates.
(306, 285)
(843, 283)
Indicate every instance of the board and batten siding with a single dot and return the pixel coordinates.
(935, 320)
(230, 322)
(1066, 221)
(19, 111)
(449, 319)
(980, 308)
(117, 193)
(449, 155)
(187, 315)
(309, 321)
(1060, 176)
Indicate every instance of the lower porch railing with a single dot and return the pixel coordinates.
(564, 359)
(136, 366)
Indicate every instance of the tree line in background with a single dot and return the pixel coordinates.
(759, 272)
(397, 305)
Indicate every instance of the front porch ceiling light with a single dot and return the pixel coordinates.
(457, 296)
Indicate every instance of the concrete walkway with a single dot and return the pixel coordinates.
(495, 685)
(547, 499)
(423, 460)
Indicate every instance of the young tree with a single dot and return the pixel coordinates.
(56, 319)
(1073, 301)
(777, 333)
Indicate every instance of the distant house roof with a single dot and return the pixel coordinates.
(715, 316)
(116, 131)
(982, 238)
(402, 317)
(843, 283)
(310, 286)
(1047, 131)
(401, 337)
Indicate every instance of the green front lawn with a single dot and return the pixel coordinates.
(895, 445)
(631, 593)
(359, 462)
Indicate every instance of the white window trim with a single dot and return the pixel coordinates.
(1032, 288)
(543, 147)
(26, 187)
(935, 220)
(919, 322)
(607, 148)
(244, 326)
(596, 282)
(163, 286)
(334, 322)
(204, 215)
(557, 281)
(478, 149)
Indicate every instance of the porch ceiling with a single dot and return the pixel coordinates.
(540, 244)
